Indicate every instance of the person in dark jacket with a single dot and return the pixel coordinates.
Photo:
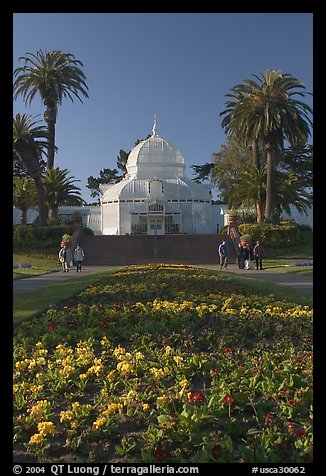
(241, 252)
(223, 254)
(79, 256)
(259, 254)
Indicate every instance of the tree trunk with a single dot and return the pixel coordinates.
(260, 212)
(23, 216)
(42, 208)
(32, 165)
(256, 154)
(50, 117)
(54, 213)
(270, 187)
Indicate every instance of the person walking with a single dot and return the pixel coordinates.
(241, 256)
(65, 257)
(79, 256)
(259, 254)
(249, 262)
(223, 253)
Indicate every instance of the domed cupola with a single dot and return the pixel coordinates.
(155, 158)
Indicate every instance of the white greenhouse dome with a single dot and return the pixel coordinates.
(155, 196)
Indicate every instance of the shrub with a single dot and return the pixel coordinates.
(286, 234)
(28, 236)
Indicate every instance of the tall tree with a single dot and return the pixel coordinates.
(249, 189)
(53, 75)
(202, 172)
(107, 176)
(122, 159)
(19, 171)
(291, 190)
(59, 188)
(266, 112)
(29, 142)
(299, 160)
(24, 196)
(231, 160)
(110, 176)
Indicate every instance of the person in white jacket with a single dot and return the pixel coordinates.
(78, 257)
(65, 257)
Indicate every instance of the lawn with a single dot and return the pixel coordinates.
(165, 364)
(40, 263)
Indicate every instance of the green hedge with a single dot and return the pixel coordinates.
(286, 234)
(39, 237)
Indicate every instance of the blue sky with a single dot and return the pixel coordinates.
(178, 66)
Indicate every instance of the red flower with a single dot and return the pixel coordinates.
(196, 397)
(229, 350)
(229, 399)
(268, 417)
(52, 327)
(291, 426)
(216, 451)
(161, 455)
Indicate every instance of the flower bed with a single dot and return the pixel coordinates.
(302, 262)
(165, 363)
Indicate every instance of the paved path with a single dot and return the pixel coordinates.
(303, 283)
(31, 284)
(297, 281)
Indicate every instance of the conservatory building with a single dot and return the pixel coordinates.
(155, 197)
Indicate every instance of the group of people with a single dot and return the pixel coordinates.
(69, 258)
(246, 255)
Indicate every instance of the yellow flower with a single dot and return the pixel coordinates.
(66, 416)
(39, 410)
(119, 351)
(178, 359)
(114, 407)
(99, 423)
(36, 439)
(161, 400)
(125, 368)
(105, 342)
(111, 375)
(46, 428)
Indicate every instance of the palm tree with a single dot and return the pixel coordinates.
(59, 189)
(249, 189)
(291, 190)
(24, 196)
(53, 75)
(265, 112)
(29, 142)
